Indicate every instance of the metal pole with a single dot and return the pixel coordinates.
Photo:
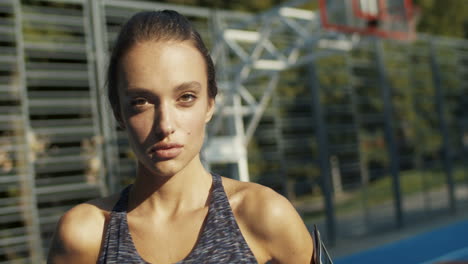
(28, 185)
(392, 144)
(280, 144)
(94, 94)
(322, 139)
(242, 164)
(440, 106)
(109, 141)
(364, 171)
(419, 153)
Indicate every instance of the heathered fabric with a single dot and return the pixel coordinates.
(220, 241)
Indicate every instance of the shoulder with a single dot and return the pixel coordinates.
(248, 198)
(79, 232)
(272, 220)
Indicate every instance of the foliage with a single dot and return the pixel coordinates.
(376, 195)
(446, 18)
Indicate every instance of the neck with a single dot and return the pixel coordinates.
(167, 195)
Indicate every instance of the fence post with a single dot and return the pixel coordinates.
(440, 106)
(27, 176)
(109, 142)
(322, 138)
(392, 144)
(98, 139)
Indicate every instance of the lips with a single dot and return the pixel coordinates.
(166, 151)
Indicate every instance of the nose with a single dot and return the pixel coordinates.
(165, 121)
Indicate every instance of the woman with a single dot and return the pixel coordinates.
(162, 89)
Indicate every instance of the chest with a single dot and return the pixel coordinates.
(214, 234)
(169, 240)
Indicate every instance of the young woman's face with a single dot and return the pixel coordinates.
(164, 104)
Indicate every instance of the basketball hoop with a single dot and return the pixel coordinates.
(394, 19)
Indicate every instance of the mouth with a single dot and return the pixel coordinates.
(165, 151)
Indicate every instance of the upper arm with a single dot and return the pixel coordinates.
(77, 237)
(279, 227)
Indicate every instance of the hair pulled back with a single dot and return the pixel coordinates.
(165, 25)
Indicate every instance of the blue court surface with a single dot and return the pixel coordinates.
(448, 243)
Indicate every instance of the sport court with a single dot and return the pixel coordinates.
(447, 244)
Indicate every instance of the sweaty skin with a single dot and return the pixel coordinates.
(164, 108)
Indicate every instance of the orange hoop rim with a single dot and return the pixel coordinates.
(410, 12)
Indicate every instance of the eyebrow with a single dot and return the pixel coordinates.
(136, 90)
(187, 85)
(179, 88)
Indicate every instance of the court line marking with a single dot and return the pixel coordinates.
(449, 256)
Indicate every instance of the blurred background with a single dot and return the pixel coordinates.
(361, 121)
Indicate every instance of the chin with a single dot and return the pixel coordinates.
(165, 168)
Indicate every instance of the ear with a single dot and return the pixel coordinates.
(211, 108)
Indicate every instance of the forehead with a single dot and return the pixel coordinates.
(162, 64)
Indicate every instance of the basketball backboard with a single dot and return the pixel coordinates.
(383, 18)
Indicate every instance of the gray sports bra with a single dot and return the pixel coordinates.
(220, 240)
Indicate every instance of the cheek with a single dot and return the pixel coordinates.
(194, 123)
(139, 126)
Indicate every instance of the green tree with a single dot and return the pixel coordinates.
(447, 18)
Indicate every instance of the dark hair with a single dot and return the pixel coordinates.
(165, 25)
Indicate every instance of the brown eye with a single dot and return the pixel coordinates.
(139, 102)
(187, 98)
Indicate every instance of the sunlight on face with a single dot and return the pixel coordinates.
(164, 104)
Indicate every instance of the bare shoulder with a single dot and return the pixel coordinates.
(79, 232)
(248, 198)
(272, 220)
(254, 200)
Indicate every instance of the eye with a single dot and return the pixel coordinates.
(140, 101)
(187, 98)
